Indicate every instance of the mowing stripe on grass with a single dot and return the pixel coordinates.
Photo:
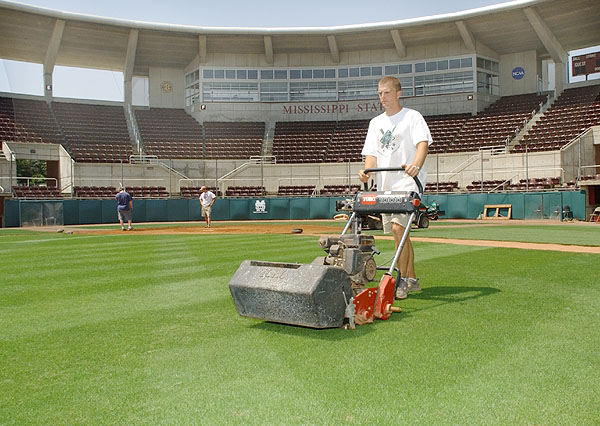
(141, 329)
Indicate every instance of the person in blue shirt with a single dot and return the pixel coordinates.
(124, 208)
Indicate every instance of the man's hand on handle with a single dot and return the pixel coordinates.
(364, 177)
(411, 170)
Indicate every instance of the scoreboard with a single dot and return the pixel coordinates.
(586, 64)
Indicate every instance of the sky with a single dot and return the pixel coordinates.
(68, 82)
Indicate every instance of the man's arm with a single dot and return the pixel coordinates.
(422, 150)
(370, 162)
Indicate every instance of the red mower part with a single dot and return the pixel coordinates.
(385, 297)
(363, 305)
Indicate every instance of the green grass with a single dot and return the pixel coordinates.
(141, 329)
(558, 234)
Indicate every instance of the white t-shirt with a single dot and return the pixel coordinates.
(206, 198)
(393, 141)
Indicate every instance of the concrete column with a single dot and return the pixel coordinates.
(128, 68)
(560, 77)
(333, 49)
(50, 59)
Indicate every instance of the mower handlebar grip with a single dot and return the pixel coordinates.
(395, 169)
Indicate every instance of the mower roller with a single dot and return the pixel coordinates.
(331, 291)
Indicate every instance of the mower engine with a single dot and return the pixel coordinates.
(354, 254)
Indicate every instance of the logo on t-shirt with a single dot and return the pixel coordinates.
(387, 140)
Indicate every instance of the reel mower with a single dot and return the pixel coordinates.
(331, 291)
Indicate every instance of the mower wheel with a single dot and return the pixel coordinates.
(423, 221)
(374, 224)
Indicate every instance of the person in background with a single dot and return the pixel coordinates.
(207, 199)
(399, 137)
(124, 208)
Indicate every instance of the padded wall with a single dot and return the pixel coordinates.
(456, 206)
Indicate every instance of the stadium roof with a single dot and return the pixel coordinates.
(52, 37)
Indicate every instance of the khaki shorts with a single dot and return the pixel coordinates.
(398, 218)
(206, 211)
(124, 215)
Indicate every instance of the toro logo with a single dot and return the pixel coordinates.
(518, 73)
(369, 199)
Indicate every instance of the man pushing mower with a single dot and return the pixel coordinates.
(334, 290)
(399, 137)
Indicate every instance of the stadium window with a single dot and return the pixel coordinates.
(407, 86)
(230, 74)
(242, 74)
(207, 74)
(454, 64)
(192, 94)
(376, 71)
(191, 77)
(466, 62)
(330, 73)
(365, 71)
(357, 89)
(252, 74)
(306, 73)
(230, 92)
(343, 73)
(318, 73)
(405, 69)
(391, 69)
(295, 74)
(281, 74)
(431, 66)
(266, 74)
(274, 92)
(487, 83)
(313, 91)
(354, 72)
(487, 64)
(442, 65)
(420, 67)
(220, 74)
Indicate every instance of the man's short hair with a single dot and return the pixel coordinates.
(203, 188)
(391, 80)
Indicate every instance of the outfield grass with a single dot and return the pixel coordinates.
(581, 234)
(141, 329)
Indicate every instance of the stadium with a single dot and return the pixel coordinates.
(104, 327)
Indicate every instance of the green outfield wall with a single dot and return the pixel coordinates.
(531, 205)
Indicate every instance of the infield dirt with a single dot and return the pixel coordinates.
(317, 229)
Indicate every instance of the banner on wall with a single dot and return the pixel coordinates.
(260, 207)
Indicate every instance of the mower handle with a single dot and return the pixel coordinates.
(394, 169)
